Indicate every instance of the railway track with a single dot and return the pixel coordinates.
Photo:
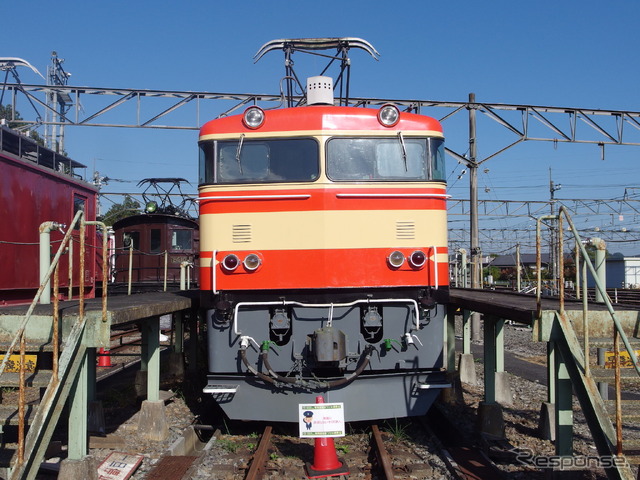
(375, 453)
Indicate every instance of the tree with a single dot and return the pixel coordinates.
(118, 211)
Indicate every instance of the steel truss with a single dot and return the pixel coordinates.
(558, 124)
(517, 123)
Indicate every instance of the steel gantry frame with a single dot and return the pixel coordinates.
(80, 115)
(520, 122)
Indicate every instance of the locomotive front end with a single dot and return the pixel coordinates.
(323, 259)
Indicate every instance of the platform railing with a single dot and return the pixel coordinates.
(131, 253)
(19, 336)
(618, 332)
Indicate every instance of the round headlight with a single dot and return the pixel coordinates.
(253, 117)
(388, 115)
(230, 262)
(417, 259)
(252, 261)
(151, 207)
(396, 259)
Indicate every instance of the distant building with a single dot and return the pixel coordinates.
(527, 260)
(622, 272)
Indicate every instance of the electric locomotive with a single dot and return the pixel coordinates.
(323, 258)
(156, 249)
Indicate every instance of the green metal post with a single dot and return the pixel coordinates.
(78, 413)
(564, 407)
(144, 347)
(151, 338)
(91, 374)
(499, 352)
(178, 341)
(450, 339)
(551, 372)
(466, 332)
(195, 318)
(489, 359)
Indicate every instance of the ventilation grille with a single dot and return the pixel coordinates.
(405, 231)
(241, 234)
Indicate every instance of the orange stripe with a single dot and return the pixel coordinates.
(293, 269)
(295, 200)
(321, 118)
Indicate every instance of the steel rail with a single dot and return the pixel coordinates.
(259, 461)
(382, 453)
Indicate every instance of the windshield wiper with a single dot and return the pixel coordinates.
(239, 151)
(404, 151)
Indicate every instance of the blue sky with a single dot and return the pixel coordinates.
(556, 53)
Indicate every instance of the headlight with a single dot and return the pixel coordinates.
(252, 262)
(417, 259)
(388, 115)
(151, 207)
(230, 262)
(253, 117)
(396, 259)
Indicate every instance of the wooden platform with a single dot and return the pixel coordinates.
(518, 307)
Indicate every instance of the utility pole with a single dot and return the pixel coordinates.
(553, 260)
(476, 257)
(58, 103)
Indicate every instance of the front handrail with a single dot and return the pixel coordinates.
(618, 332)
(20, 333)
(43, 284)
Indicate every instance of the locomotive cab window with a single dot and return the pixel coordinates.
(181, 240)
(79, 203)
(131, 239)
(259, 161)
(155, 240)
(385, 159)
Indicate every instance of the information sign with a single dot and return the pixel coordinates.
(321, 420)
(118, 466)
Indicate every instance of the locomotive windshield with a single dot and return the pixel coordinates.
(385, 159)
(259, 161)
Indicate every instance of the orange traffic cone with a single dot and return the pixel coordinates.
(325, 459)
(104, 359)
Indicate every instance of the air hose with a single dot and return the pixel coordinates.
(275, 377)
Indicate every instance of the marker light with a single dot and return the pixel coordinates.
(388, 115)
(151, 207)
(253, 117)
(417, 259)
(396, 259)
(230, 262)
(252, 262)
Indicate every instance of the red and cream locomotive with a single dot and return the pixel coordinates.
(323, 252)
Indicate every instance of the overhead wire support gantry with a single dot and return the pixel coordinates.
(559, 130)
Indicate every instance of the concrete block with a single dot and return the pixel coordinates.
(547, 422)
(152, 423)
(490, 419)
(84, 469)
(504, 396)
(467, 369)
(453, 395)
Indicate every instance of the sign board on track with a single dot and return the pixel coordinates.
(118, 466)
(321, 420)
